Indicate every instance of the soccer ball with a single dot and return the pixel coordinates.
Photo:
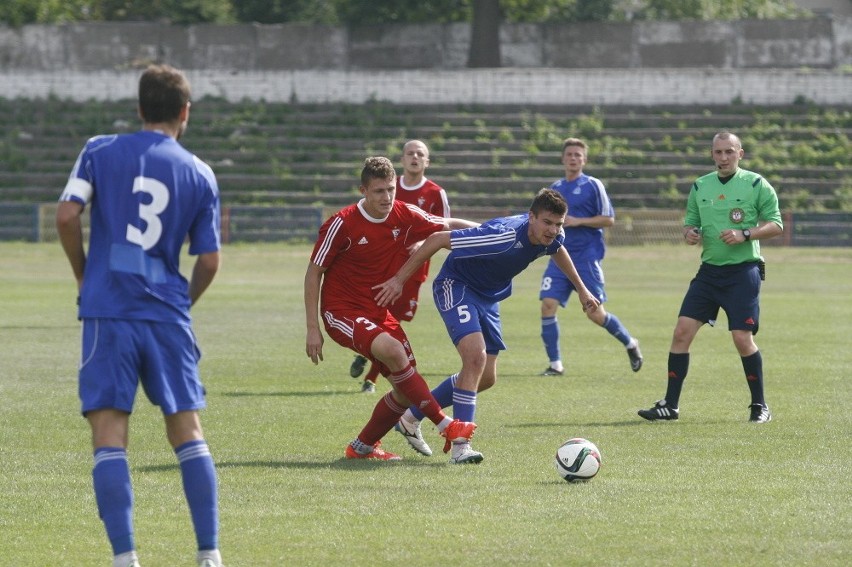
(578, 460)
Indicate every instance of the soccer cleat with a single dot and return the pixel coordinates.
(550, 371)
(463, 454)
(759, 414)
(209, 558)
(412, 434)
(127, 559)
(457, 431)
(660, 411)
(368, 387)
(357, 367)
(635, 356)
(377, 454)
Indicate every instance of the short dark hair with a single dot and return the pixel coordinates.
(725, 135)
(574, 142)
(549, 200)
(163, 92)
(377, 167)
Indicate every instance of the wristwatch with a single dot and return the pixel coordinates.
(747, 234)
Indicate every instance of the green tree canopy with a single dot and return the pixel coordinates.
(346, 12)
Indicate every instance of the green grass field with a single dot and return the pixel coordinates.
(709, 489)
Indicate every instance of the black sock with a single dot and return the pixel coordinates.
(678, 367)
(753, 366)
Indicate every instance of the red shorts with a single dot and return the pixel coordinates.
(357, 332)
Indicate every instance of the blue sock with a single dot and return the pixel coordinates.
(114, 496)
(550, 336)
(443, 394)
(199, 485)
(616, 329)
(464, 404)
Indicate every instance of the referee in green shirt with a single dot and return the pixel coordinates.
(728, 212)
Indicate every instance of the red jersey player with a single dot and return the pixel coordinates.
(360, 247)
(412, 187)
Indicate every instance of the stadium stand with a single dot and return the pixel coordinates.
(304, 158)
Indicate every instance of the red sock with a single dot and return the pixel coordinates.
(414, 387)
(372, 374)
(385, 415)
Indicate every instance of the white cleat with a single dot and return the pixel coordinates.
(463, 454)
(412, 434)
(209, 558)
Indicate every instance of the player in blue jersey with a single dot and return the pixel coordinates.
(589, 212)
(728, 211)
(475, 277)
(146, 195)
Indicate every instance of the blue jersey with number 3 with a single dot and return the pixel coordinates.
(148, 195)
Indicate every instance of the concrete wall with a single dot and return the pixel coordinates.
(642, 64)
(638, 87)
(823, 43)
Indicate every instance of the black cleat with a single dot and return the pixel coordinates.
(660, 411)
(550, 371)
(357, 367)
(759, 414)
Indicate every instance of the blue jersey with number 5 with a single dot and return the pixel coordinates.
(147, 195)
(488, 256)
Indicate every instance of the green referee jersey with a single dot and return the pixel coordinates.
(740, 203)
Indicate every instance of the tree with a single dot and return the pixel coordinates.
(280, 11)
(173, 11)
(485, 34)
(718, 9)
(558, 10)
(355, 12)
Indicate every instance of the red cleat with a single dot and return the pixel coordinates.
(457, 431)
(377, 453)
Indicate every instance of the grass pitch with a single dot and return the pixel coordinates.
(708, 489)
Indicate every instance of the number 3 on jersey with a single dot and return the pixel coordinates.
(148, 212)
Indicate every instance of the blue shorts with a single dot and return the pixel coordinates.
(556, 285)
(735, 289)
(118, 354)
(465, 312)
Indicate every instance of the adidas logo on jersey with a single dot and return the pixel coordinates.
(518, 245)
(363, 240)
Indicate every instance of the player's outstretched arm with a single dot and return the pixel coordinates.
(314, 338)
(389, 291)
(458, 224)
(588, 301)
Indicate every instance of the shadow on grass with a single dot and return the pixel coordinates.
(301, 394)
(36, 327)
(623, 423)
(338, 464)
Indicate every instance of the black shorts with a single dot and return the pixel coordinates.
(735, 289)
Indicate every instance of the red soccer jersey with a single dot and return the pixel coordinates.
(430, 197)
(360, 252)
